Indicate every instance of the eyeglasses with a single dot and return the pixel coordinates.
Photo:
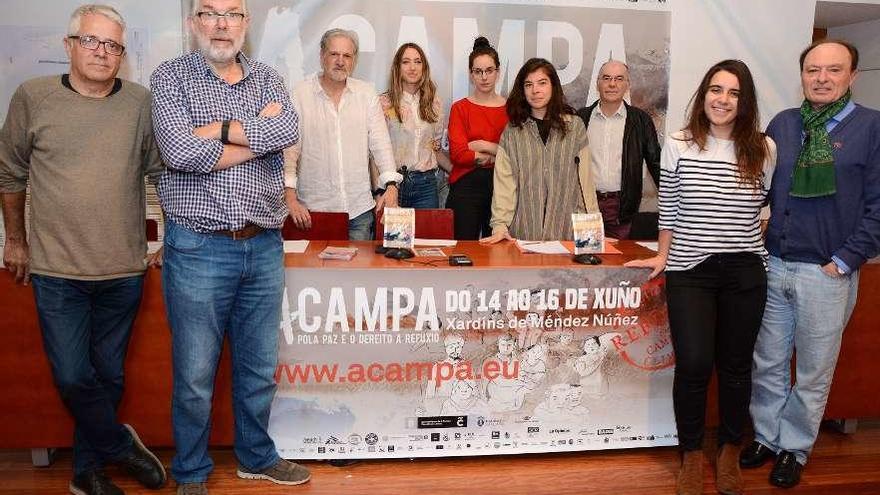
(488, 71)
(92, 43)
(233, 19)
(617, 79)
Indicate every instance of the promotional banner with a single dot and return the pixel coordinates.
(576, 36)
(425, 363)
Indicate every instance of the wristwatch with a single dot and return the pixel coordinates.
(224, 132)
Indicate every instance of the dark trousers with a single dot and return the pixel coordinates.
(715, 311)
(86, 326)
(470, 198)
(609, 206)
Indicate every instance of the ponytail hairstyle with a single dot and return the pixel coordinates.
(482, 47)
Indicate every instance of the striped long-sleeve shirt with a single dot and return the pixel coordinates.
(705, 205)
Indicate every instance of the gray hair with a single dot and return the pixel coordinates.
(93, 9)
(195, 7)
(337, 32)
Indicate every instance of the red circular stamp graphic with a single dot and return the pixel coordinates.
(646, 346)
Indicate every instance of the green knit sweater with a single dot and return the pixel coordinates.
(85, 160)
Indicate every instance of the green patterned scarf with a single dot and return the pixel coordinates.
(814, 174)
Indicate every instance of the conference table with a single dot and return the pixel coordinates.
(35, 418)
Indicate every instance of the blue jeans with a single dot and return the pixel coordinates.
(86, 325)
(214, 285)
(806, 310)
(419, 190)
(360, 228)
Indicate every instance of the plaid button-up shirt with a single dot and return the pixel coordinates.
(188, 94)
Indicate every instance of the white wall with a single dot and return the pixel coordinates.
(31, 33)
(161, 19)
(866, 37)
(768, 36)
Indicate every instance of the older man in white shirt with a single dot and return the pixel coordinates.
(341, 125)
(623, 142)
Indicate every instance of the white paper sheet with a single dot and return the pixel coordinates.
(298, 247)
(648, 244)
(153, 246)
(542, 247)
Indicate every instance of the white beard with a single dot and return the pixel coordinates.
(218, 54)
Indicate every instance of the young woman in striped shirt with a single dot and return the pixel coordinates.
(714, 179)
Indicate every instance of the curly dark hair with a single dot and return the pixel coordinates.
(518, 109)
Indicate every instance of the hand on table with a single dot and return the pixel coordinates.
(497, 237)
(656, 263)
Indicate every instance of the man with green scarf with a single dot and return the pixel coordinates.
(824, 224)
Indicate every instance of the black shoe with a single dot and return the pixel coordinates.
(142, 464)
(754, 455)
(93, 482)
(343, 462)
(786, 472)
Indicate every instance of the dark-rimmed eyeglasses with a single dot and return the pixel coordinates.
(211, 18)
(488, 71)
(92, 43)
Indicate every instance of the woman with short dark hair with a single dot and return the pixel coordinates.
(542, 169)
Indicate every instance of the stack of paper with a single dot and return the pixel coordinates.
(338, 253)
(430, 253)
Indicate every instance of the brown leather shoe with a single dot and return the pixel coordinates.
(728, 477)
(690, 477)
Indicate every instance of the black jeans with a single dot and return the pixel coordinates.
(471, 201)
(715, 312)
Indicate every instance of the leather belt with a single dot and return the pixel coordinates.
(606, 195)
(248, 231)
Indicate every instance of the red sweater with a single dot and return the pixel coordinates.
(471, 122)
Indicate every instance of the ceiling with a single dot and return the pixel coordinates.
(833, 14)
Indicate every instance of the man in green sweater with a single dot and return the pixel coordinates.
(84, 142)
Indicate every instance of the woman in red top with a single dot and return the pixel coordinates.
(475, 125)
